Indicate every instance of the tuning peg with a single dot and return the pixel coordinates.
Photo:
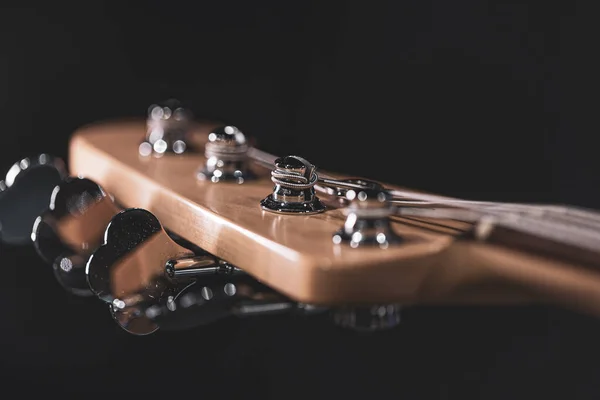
(226, 155)
(133, 257)
(150, 281)
(139, 265)
(168, 125)
(368, 219)
(24, 195)
(293, 192)
(71, 228)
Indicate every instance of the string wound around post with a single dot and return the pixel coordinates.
(293, 193)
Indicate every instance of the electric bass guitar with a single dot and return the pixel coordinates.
(176, 223)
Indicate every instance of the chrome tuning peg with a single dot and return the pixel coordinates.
(24, 194)
(150, 281)
(294, 192)
(167, 129)
(71, 228)
(368, 219)
(226, 155)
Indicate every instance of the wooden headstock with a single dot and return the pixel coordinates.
(432, 260)
(176, 223)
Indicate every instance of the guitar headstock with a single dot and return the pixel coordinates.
(315, 247)
(195, 201)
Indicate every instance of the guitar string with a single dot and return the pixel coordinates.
(562, 214)
(568, 234)
(413, 198)
(405, 197)
(566, 224)
(575, 227)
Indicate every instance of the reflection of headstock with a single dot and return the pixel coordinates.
(24, 194)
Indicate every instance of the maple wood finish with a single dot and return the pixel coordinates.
(295, 255)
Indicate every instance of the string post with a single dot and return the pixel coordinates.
(226, 155)
(294, 180)
(368, 219)
(168, 127)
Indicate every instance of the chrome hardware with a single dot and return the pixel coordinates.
(71, 228)
(133, 257)
(339, 188)
(140, 266)
(226, 155)
(151, 282)
(167, 129)
(198, 266)
(294, 193)
(367, 219)
(368, 318)
(24, 194)
(209, 299)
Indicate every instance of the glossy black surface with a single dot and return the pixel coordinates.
(25, 193)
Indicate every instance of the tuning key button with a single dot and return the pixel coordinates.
(167, 129)
(151, 282)
(132, 260)
(368, 318)
(367, 219)
(294, 192)
(226, 155)
(24, 194)
(71, 228)
(141, 272)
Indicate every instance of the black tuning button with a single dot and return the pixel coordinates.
(24, 195)
(71, 228)
(150, 281)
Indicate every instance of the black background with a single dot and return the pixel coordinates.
(490, 100)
